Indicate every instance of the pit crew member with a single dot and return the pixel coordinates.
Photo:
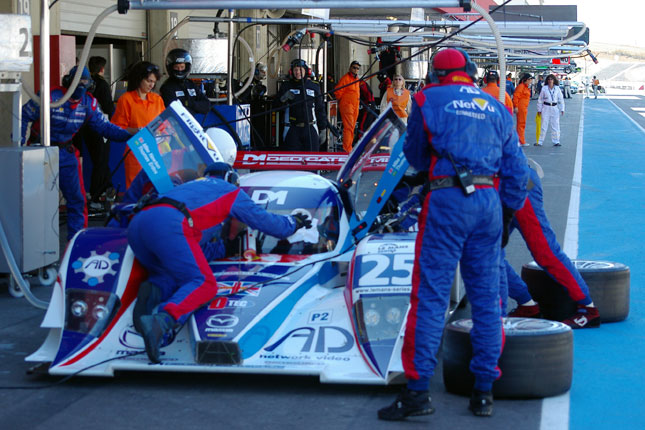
(540, 238)
(461, 221)
(66, 120)
(305, 115)
(164, 237)
(179, 87)
(348, 96)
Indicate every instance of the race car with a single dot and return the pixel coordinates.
(330, 300)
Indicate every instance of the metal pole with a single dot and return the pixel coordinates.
(290, 4)
(44, 73)
(229, 83)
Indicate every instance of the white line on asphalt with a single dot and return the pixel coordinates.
(555, 410)
(638, 109)
(628, 117)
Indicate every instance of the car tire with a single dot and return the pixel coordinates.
(537, 360)
(608, 284)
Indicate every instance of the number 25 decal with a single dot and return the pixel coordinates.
(390, 264)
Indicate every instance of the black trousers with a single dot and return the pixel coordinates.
(302, 139)
(99, 150)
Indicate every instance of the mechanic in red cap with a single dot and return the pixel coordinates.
(466, 141)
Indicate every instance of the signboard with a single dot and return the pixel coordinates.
(16, 54)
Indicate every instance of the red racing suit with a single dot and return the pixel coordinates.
(460, 120)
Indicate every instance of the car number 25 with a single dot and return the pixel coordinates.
(390, 269)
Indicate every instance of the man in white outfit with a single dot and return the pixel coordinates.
(550, 107)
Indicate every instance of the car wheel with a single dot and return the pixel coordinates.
(608, 284)
(537, 360)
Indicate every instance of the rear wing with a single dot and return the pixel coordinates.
(281, 160)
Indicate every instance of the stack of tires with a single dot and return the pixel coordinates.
(537, 360)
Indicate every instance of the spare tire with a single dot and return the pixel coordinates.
(537, 360)
(608, 284)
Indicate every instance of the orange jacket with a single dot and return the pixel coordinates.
(400, 104)
(132, 111)
(493, 90)
(351, 93)
(522, 96)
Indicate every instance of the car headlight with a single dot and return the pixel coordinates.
(90, 311)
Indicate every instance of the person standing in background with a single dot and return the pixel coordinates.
(521, 99)
(595, 84)
(492, 87)
(510, 86)
(137, 107)
(97, 146)
(399, 96)
(567, 88)
(348, 96)
(550, 107)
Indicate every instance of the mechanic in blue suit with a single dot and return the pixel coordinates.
(165, 238)
(540, 238)
(458, 131)
(66, 120)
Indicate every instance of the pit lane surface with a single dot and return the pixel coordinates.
(155, 400)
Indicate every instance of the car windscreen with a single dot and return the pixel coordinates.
(321, 206)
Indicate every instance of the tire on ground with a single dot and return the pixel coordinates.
(537, 360)
(608, 286)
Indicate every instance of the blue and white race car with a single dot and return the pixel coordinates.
(328, 301)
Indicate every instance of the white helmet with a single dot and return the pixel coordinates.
(224, 143)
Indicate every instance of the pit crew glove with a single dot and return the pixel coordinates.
(287, 96)
(301, 221)
(507, 218)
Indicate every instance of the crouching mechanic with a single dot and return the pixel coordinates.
(540, 238)
(66, 121)
(461, 221)
(165, 238)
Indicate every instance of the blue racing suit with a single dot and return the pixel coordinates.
(65, 122)
(459, 120)
(141, 185)
(540, 238)
(167, 244)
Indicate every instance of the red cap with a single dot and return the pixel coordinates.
(447, 59)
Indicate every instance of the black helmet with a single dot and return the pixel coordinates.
(298, 62)
(177, 56)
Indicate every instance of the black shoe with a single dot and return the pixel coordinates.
(148, 298)
(481, 403)
(407, 404)
(153, 329)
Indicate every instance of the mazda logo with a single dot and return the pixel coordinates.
(222, 321)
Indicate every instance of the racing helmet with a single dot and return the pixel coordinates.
(178, 56)
(491, 76)
(223, 171)
(224, 143)
(451, 60)
(299, 62)
(84, 84)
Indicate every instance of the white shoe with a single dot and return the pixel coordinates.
(524, 144)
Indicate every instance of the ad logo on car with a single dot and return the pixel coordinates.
(96, 266)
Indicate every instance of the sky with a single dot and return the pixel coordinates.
(609, 21)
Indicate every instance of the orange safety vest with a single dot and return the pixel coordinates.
(399, 103)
